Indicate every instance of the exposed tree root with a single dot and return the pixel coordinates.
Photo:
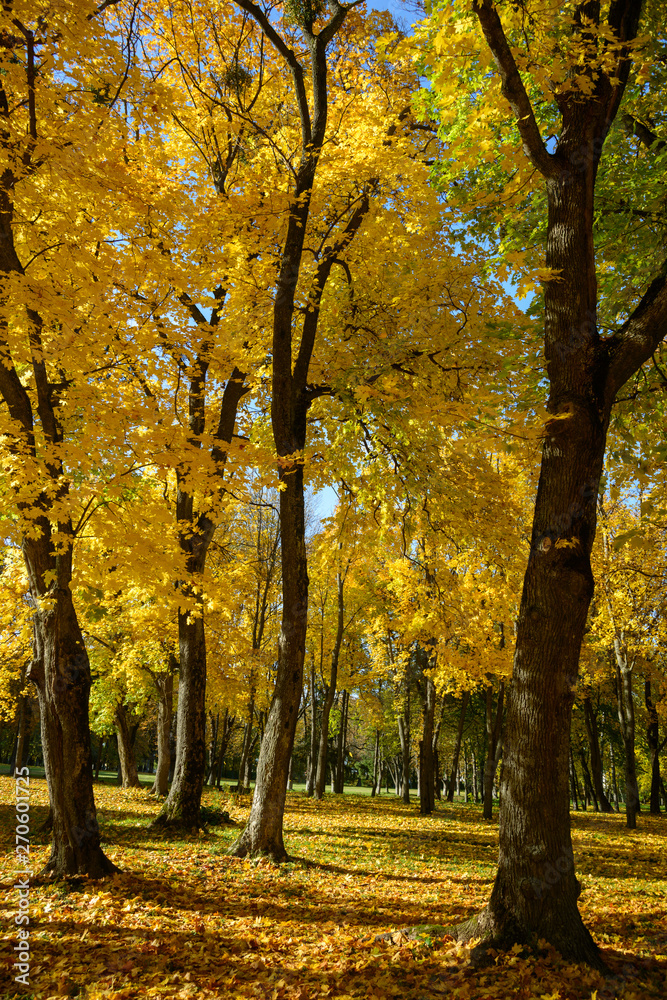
(241, 848)
(491, 937)
(67, 865)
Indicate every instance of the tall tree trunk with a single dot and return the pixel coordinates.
(536, 890)
(213, 752)
(330, 691)
(457, 747)
(126, 759)
(228, 723)
(247, 735)
(654, 747)
(339, 785)
(626, 718)
(60, 672)
(614, 782)
(291, 397)
(573, 782)
(312, 770)
(426, 762)
(263, 833)
(22, 733)
(181, 807)
(591, 796)
(494, 745)
(404, 736)
(98, 759)
(596, 756)
(377, 769)
(437, 773)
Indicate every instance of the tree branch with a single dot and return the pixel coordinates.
(514, 90)
(640, 335)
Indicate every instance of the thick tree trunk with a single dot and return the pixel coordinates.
(535, 892)
(165, 688)
(626, 718)
(60, 672)
(457, 748)
(181, 807)
(494, 746)
(126, 758)
(654, 747)
(426, 761)
(596, 756)
(312, 770)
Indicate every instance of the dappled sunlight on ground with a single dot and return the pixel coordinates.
(183, 920)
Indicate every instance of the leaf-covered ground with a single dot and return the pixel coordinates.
(184, 921)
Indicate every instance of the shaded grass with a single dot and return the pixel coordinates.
(184, 920)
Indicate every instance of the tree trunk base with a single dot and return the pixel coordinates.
(492, 936)
(66, 862)
(271, 849)
(173, 817)
(492, 931)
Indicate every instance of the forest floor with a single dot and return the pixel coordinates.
(182, 920)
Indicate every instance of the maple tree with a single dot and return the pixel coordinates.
(55, 325)
(571, 62)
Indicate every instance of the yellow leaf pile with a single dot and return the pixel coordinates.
(185, 921)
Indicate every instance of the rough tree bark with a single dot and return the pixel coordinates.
(536, 889)
(451, 784)
(291, 397)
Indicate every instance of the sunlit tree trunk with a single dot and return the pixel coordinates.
(536, 889)
(126, 758)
